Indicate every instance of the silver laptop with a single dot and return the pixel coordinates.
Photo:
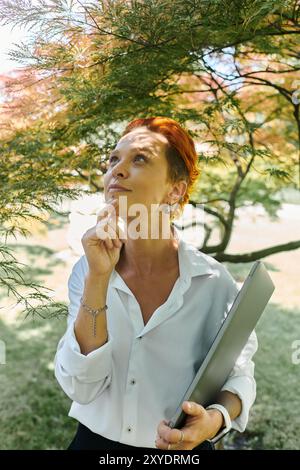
(231, 338)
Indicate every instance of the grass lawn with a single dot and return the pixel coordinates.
(34, 409)
(274, 418)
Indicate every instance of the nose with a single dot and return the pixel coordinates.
(119, 169)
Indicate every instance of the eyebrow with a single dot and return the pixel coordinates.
(144, 149)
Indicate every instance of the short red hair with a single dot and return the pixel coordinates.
(181, 153)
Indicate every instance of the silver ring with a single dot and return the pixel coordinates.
(182, 437)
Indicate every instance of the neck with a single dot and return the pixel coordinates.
(148, 257)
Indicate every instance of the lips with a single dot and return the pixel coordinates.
(117, 188)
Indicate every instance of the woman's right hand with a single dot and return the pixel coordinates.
(101, 243)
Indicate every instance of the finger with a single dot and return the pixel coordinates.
(118, 225)
(112, 207)
(108, 243)
(192, 408)
(160, 443)
(106, 240)
(104, 230)
(171, 435)
(110, 236)
(117, 243)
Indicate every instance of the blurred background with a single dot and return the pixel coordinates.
(73, 74)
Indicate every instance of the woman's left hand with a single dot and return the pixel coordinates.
(200, 425)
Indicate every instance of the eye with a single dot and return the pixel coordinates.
(111, 159)
(141, 155)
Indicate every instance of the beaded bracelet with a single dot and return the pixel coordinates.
(93, 312)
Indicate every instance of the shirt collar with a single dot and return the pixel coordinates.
(192, 262)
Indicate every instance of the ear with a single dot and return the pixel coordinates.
(177, 191)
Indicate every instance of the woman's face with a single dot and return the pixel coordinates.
(139, 164)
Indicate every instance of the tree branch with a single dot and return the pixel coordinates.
(86, 178)
(256, 255)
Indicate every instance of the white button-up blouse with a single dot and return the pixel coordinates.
(123, 389)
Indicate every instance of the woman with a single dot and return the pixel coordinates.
(144, 310)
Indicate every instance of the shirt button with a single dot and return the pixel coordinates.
(129, 429)
(132, 382)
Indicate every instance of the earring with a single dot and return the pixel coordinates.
(174, 206)
(169, 208)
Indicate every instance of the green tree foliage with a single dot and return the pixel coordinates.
(227, 70)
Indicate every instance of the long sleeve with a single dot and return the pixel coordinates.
(241, 382)
(82, 377)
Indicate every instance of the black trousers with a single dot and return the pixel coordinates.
(85, 439)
